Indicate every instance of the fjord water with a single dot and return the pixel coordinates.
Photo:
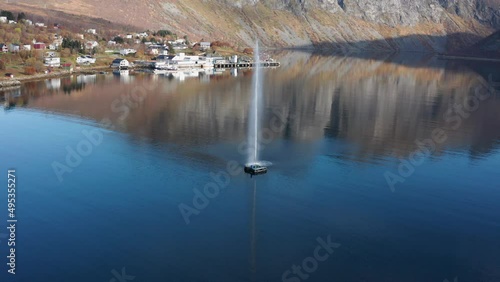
(335, 127)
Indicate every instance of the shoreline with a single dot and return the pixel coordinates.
(12, 82)
(467, 58)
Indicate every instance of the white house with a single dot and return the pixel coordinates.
(125, 52)
(91, 44)
(28, 22)
(142, 34)
(157, 50)
(4, 48)
(52, 47)
(91, 31)
(3, 19)
(128, 36)
(14, 48)
(85, 60)
(111, 43)
(79, 36)
(120, 63)
(54, 62)
(27, 47)
(205, 45)
(12, 22)
(40, 24)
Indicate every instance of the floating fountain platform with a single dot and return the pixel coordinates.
(255, 169)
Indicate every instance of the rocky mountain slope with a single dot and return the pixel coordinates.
(345, 25)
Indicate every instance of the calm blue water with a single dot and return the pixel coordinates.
(340, 127)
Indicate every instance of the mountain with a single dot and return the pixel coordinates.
(346, 25)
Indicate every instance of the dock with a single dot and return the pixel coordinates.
(245, 65)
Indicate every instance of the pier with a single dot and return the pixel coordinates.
(245, 65)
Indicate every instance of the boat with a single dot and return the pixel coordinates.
(255, 169)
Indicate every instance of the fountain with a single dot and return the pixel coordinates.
(253, 165)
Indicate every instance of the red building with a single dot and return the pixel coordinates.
(39, 46)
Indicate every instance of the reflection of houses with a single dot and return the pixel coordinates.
(124, 75)
(54, 83)
(91, 78)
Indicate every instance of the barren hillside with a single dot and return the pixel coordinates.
(429, 25)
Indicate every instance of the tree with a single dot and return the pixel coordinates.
(2, 65)
(21, 16)
(118, 40)
(163, 32)
(7, 14)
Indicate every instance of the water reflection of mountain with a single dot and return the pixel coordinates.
(379, 106)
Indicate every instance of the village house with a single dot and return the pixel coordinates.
(3, 19)
(79, 36)
(128, 36)
(120, 63)
(142, 34)
(91, 44)
(39, 46)
(52, 47)
(14, 48)
(4, 48)
(12, 22)
(57, 41)
(125, 52)
(40, 24)
(54, 62)
(111, 43)
(28, 22)
(50, 54)
(204, 45)
(91, 31)
(157, 50)
(27, 47)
